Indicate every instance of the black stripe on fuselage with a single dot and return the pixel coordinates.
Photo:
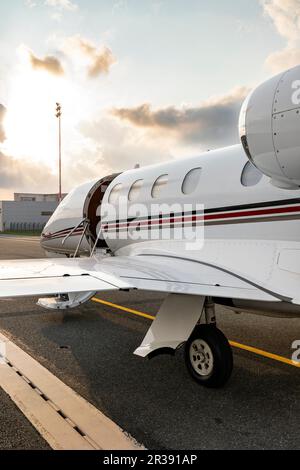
(249, 220)
(258, 205)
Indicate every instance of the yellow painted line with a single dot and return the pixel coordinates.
(243, 347)
(260, 352)
(123, 309)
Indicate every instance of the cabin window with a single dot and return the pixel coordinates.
(251, 175)
(159, 186)
(135, 190)
(191, 181)
(115, 194)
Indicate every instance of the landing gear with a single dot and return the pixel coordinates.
(66, 301)
(208, 356)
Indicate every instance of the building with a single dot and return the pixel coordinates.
(28, 212)
(28, 197)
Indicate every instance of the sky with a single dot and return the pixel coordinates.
(139, 81)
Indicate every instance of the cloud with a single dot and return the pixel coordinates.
(57, 4)
(76, 51)
(62, 4)
(24, 175)
(30, 3)
(285, 15)
(49, 64)
(119, 5)
(215, 122)
(100, 59)
(115, 146)
(283, 60)
(2, 115)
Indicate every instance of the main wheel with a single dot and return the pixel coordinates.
(208, 356)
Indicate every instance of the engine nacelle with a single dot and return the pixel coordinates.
(270, 128)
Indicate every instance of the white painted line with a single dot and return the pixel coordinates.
(64, 419)
(58, 434)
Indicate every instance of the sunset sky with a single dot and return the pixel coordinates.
(140, 81)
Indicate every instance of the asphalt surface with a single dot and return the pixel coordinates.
(15, 431)
(91, 348)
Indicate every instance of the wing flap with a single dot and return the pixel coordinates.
(180, 276)
(241, 292)
(52, 286)
(55, 276)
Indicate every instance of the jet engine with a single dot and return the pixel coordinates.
(270, 128)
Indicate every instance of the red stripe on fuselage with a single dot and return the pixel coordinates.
(157, 222)
(209, 217)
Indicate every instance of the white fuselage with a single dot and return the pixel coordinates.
(232, 211)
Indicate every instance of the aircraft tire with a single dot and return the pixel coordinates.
(208, 356)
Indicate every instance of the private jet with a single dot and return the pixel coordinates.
(221, 228)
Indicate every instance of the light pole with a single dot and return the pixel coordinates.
(58, 115)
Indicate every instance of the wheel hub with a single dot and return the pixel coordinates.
(201, 357)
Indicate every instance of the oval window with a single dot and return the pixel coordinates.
(159, 186)
(115, 194)
(191, 181)
(251, 175)
(135, 190)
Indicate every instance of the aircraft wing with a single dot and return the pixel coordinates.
(55, 276)
(259, 270)
(254, 270)
(177, 276)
